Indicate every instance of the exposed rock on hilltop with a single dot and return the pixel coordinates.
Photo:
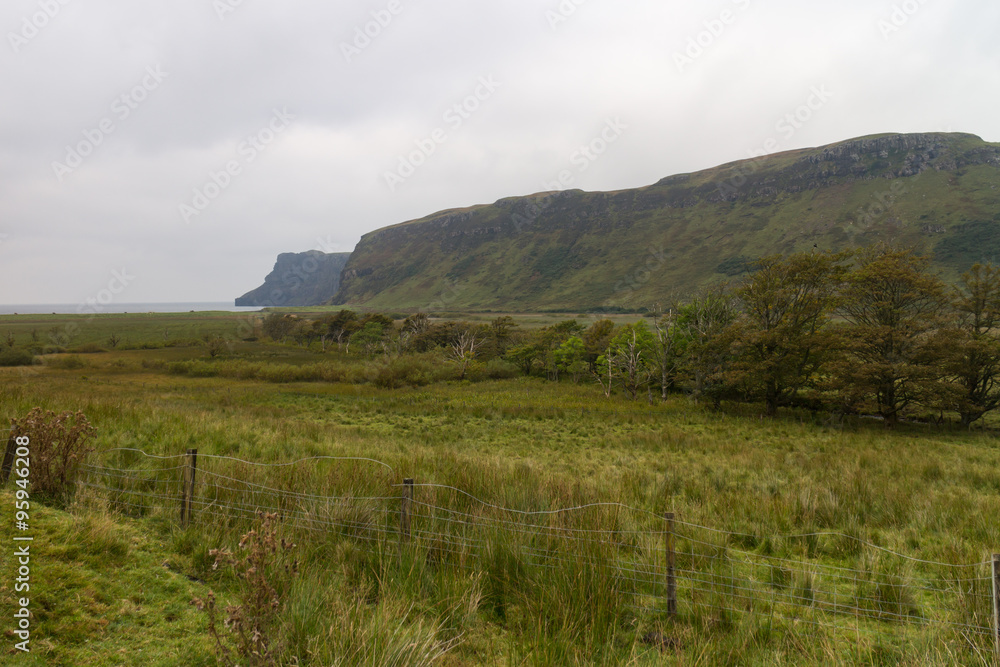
(574, 250)
(299, 279)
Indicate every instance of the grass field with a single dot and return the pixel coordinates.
(114, 587)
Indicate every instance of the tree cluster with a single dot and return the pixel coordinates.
(870, 331)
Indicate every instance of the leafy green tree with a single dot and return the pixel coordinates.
(705, 341)
(435, 335)
(892, 306)
(596, 339)
(278, 327)
(370, 337)
(974, 343)
(501, 335)
(570, 357)
(526, 356)
(780, 338)
(337, 328)
(630, 358)
(549, 340)
(416, 324)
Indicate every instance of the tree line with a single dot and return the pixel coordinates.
(868, 331)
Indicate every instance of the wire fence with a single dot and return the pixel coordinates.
(654, 565)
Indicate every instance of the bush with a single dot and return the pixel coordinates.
(58, 445)
(70, 362)
(409, 371)
(264, 572)
(88, 348)
(498, 369)
(16, 358)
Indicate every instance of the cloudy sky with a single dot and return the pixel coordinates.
(168, 151)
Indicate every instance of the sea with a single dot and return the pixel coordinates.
(75, 308)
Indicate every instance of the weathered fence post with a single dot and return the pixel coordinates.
(671, 580)
(187, 497)
(8, 458)
(405, 509)
(996, 602)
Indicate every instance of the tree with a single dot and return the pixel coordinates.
(667, 344)
(277, 327)
(974, 343)
(501, 336)
(780, 336)
(596, 339)
(416, 324)
(526, 356)
(114, 340)
(215, 344)
(570, 357)
(892, 306)
(339, 327)
(630, 358)
(551, 337)
(464, 348)
(703, 325)
(370, 337)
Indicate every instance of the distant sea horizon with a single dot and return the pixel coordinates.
(85, 309)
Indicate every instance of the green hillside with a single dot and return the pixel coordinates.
(574, 250)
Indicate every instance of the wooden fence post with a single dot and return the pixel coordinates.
(8, 458)
(671, 580)
(996, 602)
(405, 509)
(187, 497)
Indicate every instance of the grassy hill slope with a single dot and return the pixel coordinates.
(633, 248)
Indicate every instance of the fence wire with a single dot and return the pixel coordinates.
(626, 551)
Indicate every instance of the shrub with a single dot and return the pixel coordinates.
(264, 571)
(70, 362)
(16, 358)
(88, 348)
(58, 445)
(499, 369)
(408, 371)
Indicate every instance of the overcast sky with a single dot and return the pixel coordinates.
(168, 151)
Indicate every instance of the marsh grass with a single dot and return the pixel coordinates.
(787, 504)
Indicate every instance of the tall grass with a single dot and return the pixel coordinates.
(793, 501)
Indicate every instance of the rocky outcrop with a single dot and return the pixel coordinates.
(299, 279)
(575, 250)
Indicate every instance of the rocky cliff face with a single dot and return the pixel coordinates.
(574, 250)
(299, 279)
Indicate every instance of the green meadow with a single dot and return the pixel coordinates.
(799, 539)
